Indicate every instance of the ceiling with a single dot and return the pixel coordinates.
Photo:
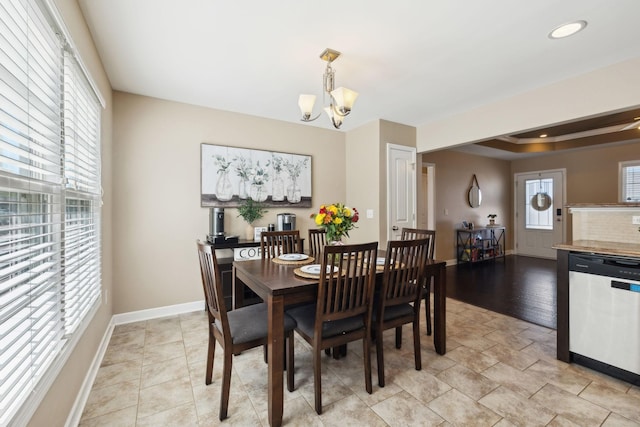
(411, 62)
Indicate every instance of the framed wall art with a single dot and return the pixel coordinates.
(230, 175)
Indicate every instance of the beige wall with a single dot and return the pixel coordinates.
(592, 173)
(453, 175)
(157, 190)
(57, 403)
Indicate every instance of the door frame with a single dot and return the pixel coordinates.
(564, 219)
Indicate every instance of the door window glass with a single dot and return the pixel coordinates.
(539, 203)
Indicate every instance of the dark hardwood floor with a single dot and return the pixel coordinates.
(518, 286)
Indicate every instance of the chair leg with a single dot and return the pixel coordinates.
(367, 363)
(416, 342)
(399, 337)
(317, 384)
(210, 357)
(380, 356)
(290, 362)
(226, 383)
(427, 304)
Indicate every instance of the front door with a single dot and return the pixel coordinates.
(401, 189)
(539, 212)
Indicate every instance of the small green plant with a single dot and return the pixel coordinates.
(251, 211)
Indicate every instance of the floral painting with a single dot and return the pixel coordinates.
(229, 175)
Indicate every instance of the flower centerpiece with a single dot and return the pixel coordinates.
(336, 219)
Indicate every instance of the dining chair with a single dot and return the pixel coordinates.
(317, 241)
(236, 330)
(417, 233)
(342, 311)
(398, 300)
(276, 243)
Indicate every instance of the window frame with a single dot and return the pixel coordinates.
(623, 181)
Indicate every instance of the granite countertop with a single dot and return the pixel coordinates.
(606, 248)
(603, 205)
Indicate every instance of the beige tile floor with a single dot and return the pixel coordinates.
(498, 371)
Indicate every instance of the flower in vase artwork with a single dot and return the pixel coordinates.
(224, 192)
(277, 192)
(336, 219)
(243, 171)
(259, 178)
(294, 193)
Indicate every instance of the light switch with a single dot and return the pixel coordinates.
(369, 213)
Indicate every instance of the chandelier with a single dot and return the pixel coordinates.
(340, 100)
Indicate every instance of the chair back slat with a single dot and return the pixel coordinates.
(349, 291)
(212, 286)
(418, 233)
(276, 243)
(403, 271)
(317, 242)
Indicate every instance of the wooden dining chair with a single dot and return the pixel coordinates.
(398, 301)
(417, 233)
(317, 241)
(236, 330)
(276, 243)
(342, 311)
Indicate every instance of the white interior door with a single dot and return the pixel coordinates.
(538, 212)
(401, 189)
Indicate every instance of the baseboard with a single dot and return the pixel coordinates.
(119, 319)
(83, 395)
(158, 312)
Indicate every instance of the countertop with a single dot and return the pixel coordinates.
(606, 248)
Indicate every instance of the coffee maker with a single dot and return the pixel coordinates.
(216, 227)
(286, 221)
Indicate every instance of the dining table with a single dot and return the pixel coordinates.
(279, 286)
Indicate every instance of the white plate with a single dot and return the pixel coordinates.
(293, 257)
(316, 269)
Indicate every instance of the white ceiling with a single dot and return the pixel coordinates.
(411, 61)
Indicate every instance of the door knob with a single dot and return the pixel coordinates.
(394, 228)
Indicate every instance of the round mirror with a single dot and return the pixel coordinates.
(541, 201)
(475, 196)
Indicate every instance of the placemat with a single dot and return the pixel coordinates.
(301, 273)
(300, 262)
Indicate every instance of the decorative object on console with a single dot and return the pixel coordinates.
(336, 219)
(492, 219)
(251, 211)
(340, 100)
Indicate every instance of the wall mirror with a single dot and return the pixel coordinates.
(475, 195)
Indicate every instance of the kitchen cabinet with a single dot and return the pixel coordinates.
(480, 244)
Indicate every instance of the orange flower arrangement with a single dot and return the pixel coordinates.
(336, 219)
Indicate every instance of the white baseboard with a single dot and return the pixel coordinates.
(83, 394)
(155, 313)
(119, 319)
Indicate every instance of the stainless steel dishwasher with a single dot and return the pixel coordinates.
(604, 313)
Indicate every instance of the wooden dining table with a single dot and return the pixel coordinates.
(278, 286)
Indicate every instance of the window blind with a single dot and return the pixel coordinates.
(49, 201)
(631, 181)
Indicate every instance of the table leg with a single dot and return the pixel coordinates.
(439, 309)
(276, 358)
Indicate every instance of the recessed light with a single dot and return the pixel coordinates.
(544, 135)
(567, 30)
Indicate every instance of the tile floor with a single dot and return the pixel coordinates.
(498, 371)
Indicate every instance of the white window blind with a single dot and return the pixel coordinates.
(630, 181)
(49, 225)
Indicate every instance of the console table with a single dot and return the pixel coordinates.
(480, 244)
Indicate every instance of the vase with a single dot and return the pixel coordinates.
(294, 194)
(258, 192)
(243, 189)
(249, 232)
(277, 193)
(224, 191)
(335, 241)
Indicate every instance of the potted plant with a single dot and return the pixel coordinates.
(251, 211)
(492, 219)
